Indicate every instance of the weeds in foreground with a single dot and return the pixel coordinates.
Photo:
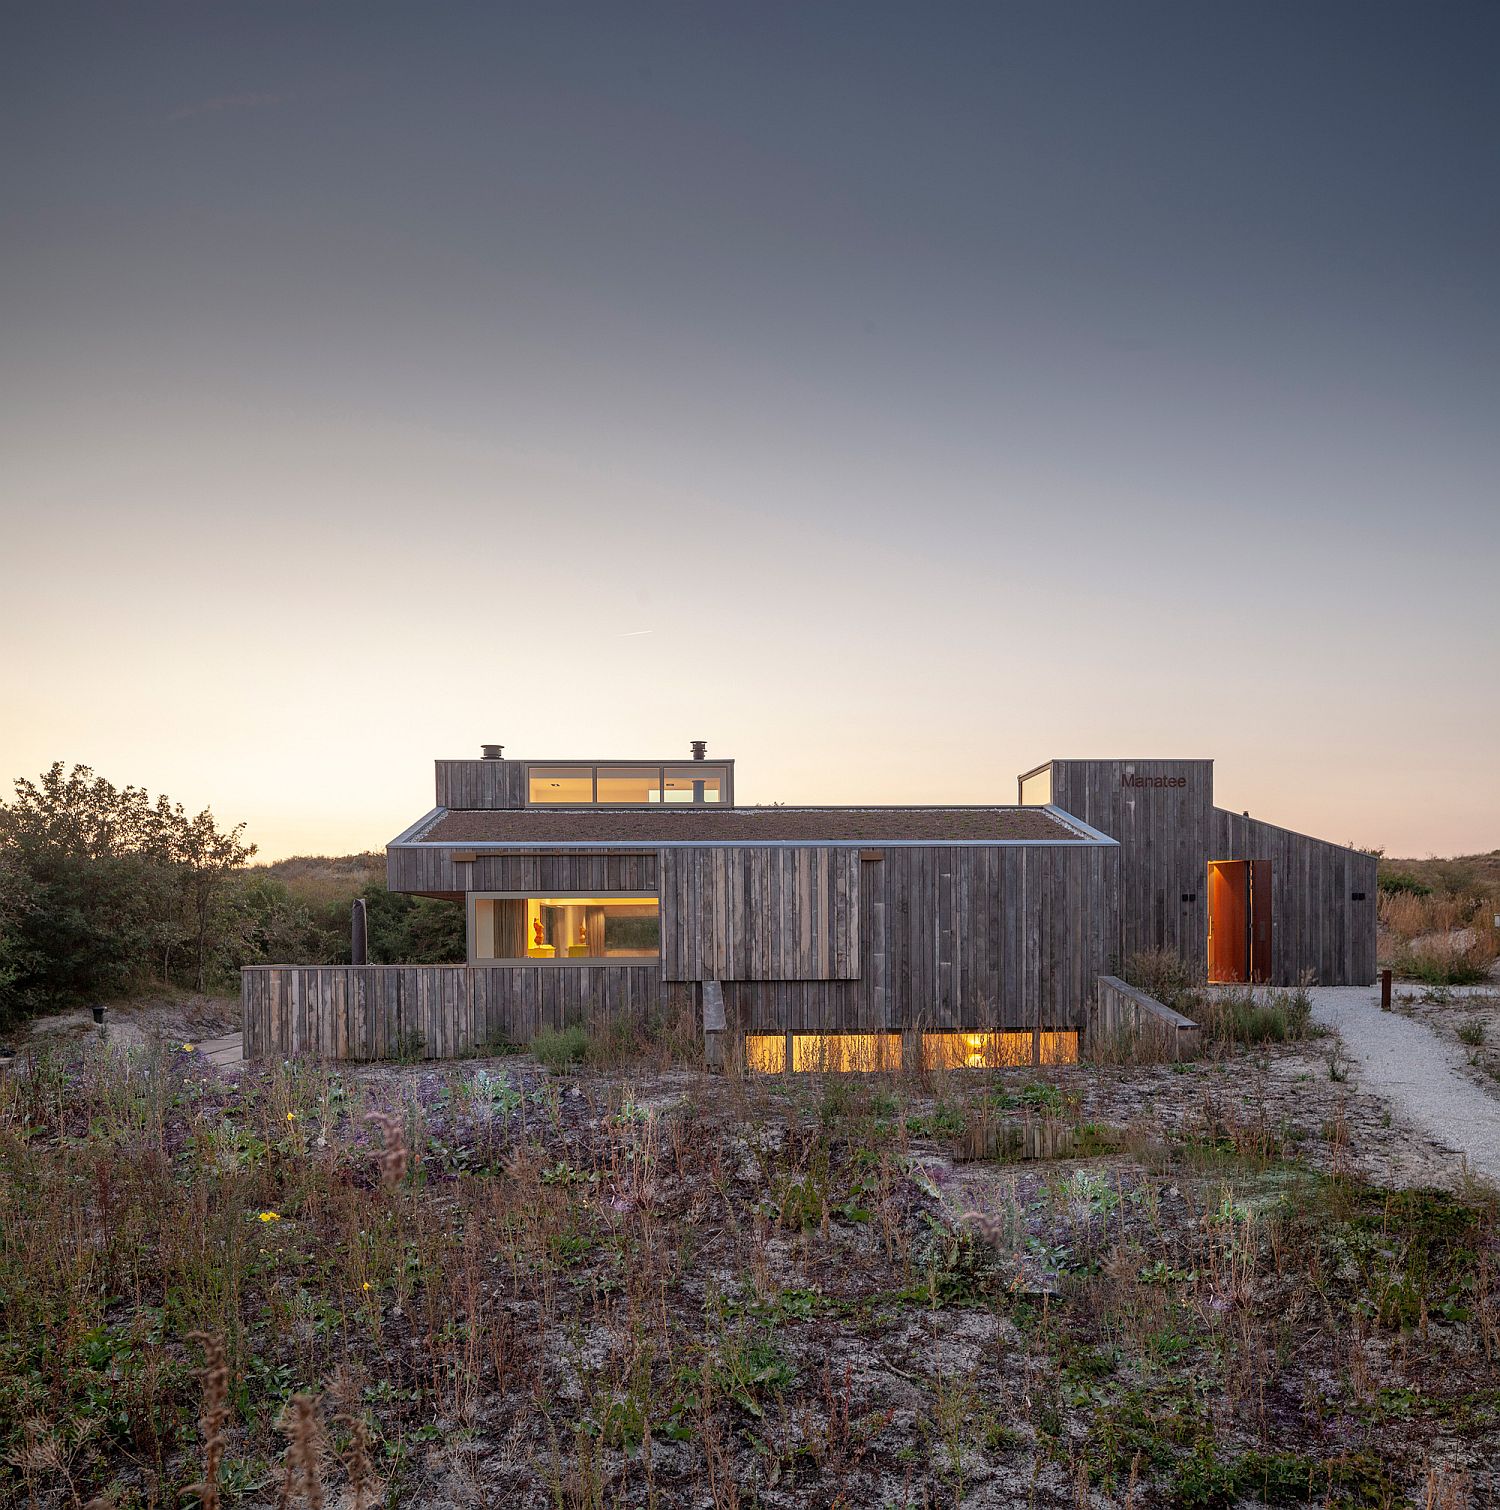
(1229, 1019)
(511, 1289)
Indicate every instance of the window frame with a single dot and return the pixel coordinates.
(723, 769)
(572, 962)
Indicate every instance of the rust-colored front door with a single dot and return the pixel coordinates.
(1228, 920)
(1260, 919)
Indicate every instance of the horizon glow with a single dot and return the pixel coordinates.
(895, 399)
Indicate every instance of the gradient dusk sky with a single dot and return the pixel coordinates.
(893, 395)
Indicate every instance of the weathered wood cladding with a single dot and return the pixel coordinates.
(1317, 926)
(437, 1011)
(743, 913)
(959, 937)
(481, 783)
(436, 873)
(1160, 811)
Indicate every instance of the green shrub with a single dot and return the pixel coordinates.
(1403, 883)
(1246, 1017)
(1471, 1032)
(1165, 976)
(558, 1048)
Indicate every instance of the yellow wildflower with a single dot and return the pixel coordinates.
(270, 1216)
(187, 1048)
(291, 1116)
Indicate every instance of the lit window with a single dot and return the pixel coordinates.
(572, 785)
(703, 783)
(524, 929)
(1059, 1048)
(627, 785)
(952, 1051)
(632, 785)
(765, 1053)
(1036, 789)
(840, 1053)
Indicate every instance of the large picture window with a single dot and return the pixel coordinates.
(627, 785)
(560, 929)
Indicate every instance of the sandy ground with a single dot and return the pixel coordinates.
(188, 1018)
(1421, 1076)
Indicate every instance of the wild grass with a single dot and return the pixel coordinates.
(487, 1284)
(1439, 939)
(1230, 1019)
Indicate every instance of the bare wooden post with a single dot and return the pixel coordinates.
(1385, 990)
(713, 1025)
(359, 935)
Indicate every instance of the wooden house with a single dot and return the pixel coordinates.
(844, 937)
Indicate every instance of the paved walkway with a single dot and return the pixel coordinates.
(224, 1052)
(1416, 1072)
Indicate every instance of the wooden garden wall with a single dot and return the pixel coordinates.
(435, 1011)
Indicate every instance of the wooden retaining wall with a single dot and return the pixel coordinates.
(436, 1011)
(1124, 1016)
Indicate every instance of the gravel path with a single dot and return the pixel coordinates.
(1416, 1072)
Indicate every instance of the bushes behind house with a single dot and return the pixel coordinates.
(106, 890)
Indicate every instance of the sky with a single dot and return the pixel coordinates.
(895, 396)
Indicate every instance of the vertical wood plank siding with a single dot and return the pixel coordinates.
(377, 1011)
(481, 783)
(957, 937)
(434, 872)
(1164, 837)
(1317, 927)
(803, 938)
(1167, 837)
(760, 913)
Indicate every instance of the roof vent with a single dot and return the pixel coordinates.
(493, 752)
(700, 748)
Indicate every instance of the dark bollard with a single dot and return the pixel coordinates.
(1385, 990)
(359, 935)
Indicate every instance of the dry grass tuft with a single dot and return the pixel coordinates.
(301, 1465)
(213, 1416)
(394, 1154)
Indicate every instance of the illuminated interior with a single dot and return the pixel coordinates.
(627, 785)
(765, 1053)
(525, 930)
(840, 1053)
(976, 1051)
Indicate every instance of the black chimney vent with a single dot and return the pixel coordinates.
(700, 748)
(493, 752)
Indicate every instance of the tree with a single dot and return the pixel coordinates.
(117, 887)
(206, 860)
